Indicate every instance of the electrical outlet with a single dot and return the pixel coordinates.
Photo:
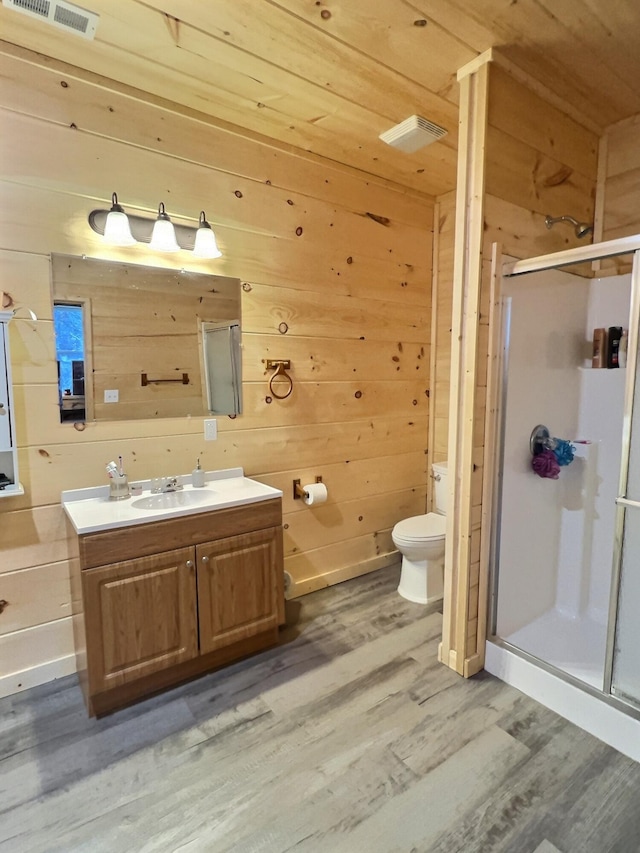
(111, 396)
(210, 429)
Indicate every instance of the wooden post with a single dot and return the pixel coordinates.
(467, 275)
(492, 415)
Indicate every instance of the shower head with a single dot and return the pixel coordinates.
(581, 228)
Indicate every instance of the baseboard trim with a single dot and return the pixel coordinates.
(303, 587)
(16, 682)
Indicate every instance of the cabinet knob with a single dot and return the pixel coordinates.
(205, 559)
(189, 564)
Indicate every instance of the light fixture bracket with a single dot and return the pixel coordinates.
(141, 228)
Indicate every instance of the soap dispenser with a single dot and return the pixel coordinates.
(197, 476)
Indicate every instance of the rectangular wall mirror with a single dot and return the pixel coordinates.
(145, 342)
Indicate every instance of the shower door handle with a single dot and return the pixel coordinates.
(621, 501)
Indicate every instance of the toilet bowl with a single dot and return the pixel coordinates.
(421, 541)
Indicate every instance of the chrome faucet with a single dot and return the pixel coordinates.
(167, 484)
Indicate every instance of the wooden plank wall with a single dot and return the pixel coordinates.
(538, 161)
(336, 273)
(619, 188)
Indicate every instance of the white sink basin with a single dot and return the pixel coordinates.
(90, 510)
(171, 500)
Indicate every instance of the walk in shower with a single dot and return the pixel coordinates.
(565, 591)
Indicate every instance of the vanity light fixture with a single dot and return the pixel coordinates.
(117, 231)
(163, 237)
(205, 243)
(121, 229)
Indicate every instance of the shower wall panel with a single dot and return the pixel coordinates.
(601, 415)
(547, 346)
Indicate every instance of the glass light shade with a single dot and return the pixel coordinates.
(163, 237)
(117, 231)
(205, 245)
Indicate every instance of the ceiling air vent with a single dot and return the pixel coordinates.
(59, 14)
(413, 133)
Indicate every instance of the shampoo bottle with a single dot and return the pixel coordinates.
(622, 349)
(613, 345)
(599, 348)
(197, 476)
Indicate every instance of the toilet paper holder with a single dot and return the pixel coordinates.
(298, 491)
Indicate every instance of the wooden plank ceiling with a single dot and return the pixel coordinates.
(329, 77)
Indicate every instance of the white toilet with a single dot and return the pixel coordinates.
(420, 540)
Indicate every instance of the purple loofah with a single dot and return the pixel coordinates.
(545, 464)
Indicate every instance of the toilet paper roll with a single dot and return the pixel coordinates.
(315, 493)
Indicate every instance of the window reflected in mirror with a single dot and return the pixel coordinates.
(68, 322)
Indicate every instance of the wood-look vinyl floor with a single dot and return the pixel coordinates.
(347, 738)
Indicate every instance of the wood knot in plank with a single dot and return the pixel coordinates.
(173, 25)
(381, 220)
(560, 177)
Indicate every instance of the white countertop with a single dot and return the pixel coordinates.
(91, 510)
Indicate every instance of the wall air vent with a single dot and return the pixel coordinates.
(59, 14)
(413, 133)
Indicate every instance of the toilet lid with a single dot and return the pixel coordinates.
(420, 527)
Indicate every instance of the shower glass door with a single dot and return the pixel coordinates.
(624, 670)
(554, 546)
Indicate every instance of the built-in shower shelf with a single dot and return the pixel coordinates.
(601, 369)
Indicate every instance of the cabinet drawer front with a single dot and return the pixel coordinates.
(237, 588)
(110, 546)
(140, 617)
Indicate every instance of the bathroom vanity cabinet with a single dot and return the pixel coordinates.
(161, 602)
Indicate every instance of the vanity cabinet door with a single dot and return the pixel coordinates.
(140, 617)
(237, 588)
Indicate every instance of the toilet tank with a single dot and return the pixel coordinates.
(441, 487)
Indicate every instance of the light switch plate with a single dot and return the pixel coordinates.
(111, 396)
(210, 429)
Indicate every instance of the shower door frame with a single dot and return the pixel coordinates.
(511, 269)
